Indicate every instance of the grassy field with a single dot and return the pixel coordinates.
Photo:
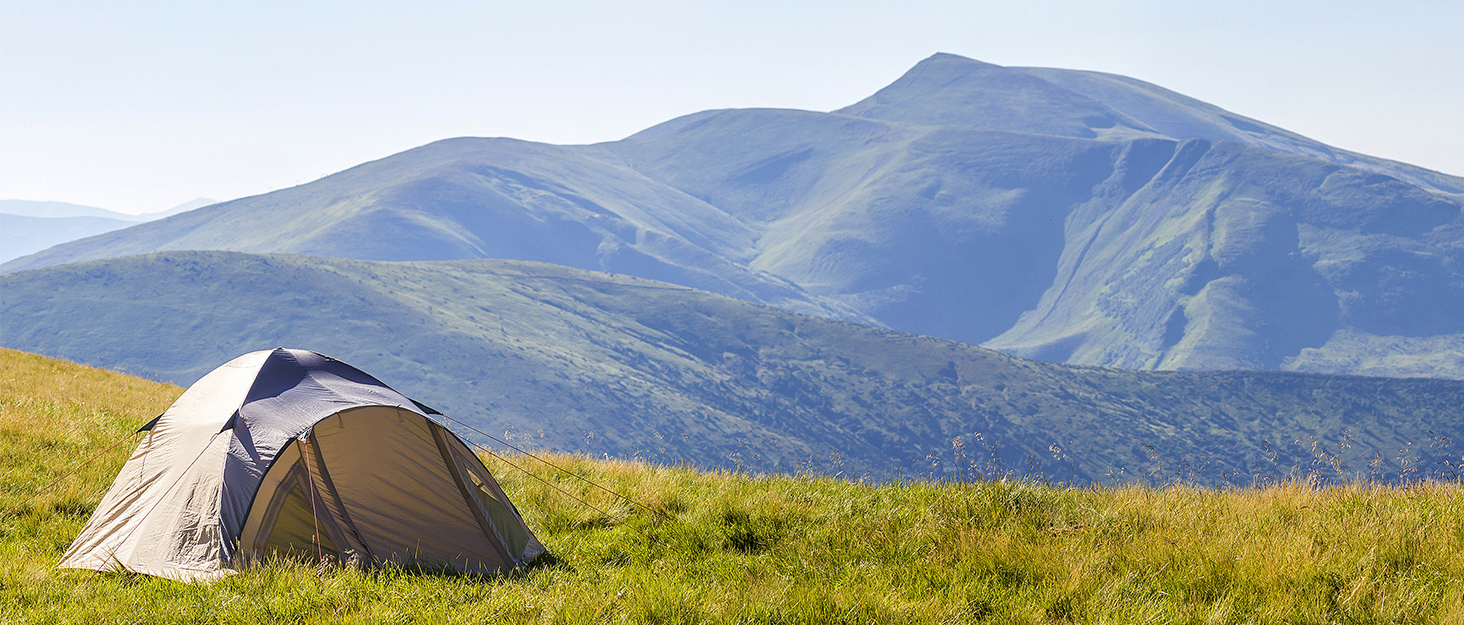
(747, 549)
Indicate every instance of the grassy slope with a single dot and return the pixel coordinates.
(618, 365)
(737, 548)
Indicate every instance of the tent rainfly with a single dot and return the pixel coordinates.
(287, 451)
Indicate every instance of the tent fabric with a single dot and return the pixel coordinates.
(277, 441)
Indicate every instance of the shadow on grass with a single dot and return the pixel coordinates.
(422, 568)
(276, 564)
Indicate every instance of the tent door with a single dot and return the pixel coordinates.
(292, 521)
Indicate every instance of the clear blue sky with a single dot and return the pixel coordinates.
(138, 106)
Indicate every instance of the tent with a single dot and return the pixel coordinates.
(290, 452)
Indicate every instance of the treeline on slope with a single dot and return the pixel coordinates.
(571, 360)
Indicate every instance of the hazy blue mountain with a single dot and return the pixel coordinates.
(1236, 257)
(1180, 117)
(1146, 253)
(945, 231)
(949, 90)
(20, 235)
(1071, 216)
(576, 360)
(40, 209)
(27, 226)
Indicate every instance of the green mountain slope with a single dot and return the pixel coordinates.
(1069, 216)
(1150, 253)
(479, 198)
(575, 360)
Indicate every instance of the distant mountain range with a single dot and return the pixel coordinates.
(1069, 216)
(575, 360)
(27, 227)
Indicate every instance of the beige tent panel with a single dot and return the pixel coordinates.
(295, 528)
(387, 466)
(151, 520)
(375, 471)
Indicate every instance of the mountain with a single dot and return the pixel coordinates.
(33, 208)
(470, 198)
(1069, 216)
(574, 360)
(27, 227)
(20, 235)
(946, 89)
(1043, 221)
(40, 209)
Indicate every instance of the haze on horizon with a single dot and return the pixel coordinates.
(140, 107)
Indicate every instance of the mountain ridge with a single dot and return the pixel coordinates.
(1065, 225)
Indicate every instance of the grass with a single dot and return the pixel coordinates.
(737, 548)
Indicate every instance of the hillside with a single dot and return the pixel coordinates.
(734, 548)
(572, 360)
(1069, 216)
(479, 198)
(1044, 213)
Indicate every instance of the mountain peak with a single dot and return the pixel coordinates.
(948, 58)
(951, 90)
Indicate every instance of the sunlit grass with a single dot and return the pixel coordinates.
(729, 548)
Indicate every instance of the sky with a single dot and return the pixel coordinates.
(142, 105)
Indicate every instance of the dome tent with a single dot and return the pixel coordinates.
(288, 451)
